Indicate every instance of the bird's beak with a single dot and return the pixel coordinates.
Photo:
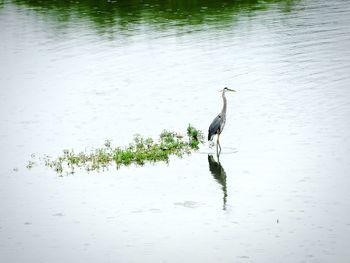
(228, 90)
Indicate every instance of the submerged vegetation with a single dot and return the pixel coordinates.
(140, 151)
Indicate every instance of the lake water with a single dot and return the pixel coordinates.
(76, 73)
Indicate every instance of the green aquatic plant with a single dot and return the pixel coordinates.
(138, 152)
(195, 137)
(29, 165)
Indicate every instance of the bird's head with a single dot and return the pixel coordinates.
(227, 89)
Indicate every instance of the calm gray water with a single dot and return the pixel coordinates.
(74, 74)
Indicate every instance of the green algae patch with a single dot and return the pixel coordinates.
(140, 151)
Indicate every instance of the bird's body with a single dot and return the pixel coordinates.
(218, 124)
(216, 127)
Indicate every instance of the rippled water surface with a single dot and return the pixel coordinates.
(76, 73)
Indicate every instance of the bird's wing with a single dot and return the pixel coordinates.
(214, 127)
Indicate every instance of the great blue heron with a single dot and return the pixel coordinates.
(218, 124)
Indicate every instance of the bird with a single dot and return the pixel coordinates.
(217, 125)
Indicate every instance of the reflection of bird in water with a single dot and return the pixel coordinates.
(217, 125)
(219, 174)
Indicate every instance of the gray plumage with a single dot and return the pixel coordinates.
(218, 124)
(215, 127)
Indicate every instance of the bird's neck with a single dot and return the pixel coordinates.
(224, 107)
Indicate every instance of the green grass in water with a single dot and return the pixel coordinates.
(140, 151)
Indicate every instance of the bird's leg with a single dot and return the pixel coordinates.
(218, 145)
